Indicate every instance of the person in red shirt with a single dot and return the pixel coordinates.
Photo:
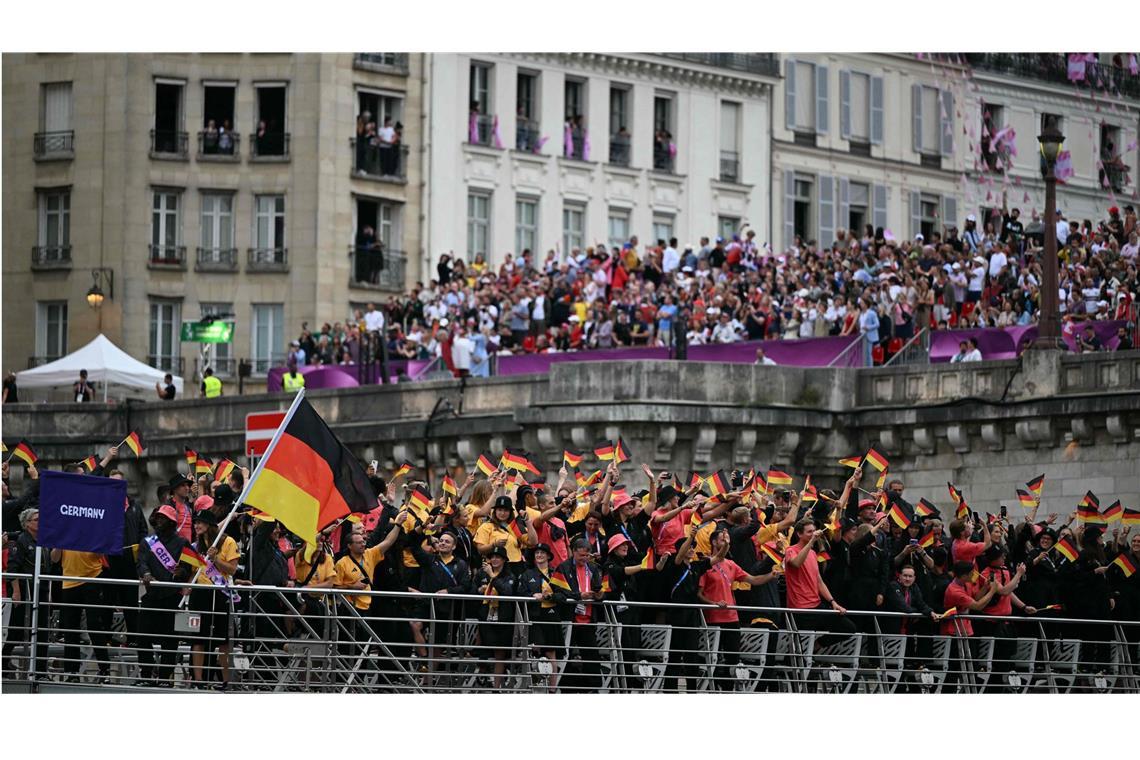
(806, 589)
(716, 589)
(179, 498)
(964, 597)
(962, 548)
(1002, 604)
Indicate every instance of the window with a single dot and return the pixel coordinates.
(270, 136)
(993, 121)
(165, 232)
(219, 355)
(268, 336)
(168, 116)
(662, 227)
(618, 227)
(378, 107)
(805, 96)
(858, 207)
(729, 141)
(1057, 119)
(663, 150)
(575, 99)
(478, 225)
(802, 209)
(526, 225)
(573, 227)
(860, 107)
(932, 131)
(51, 330)
(269, 223)
(663, 113)
(165, 334)
(1113, 170)
(55, 224)
(727, 226)
(928, 216)
(480, 87)
(217, 226)
(619, 126)
(526, 104)
(55, 107)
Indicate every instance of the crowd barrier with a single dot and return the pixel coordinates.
(287, 640)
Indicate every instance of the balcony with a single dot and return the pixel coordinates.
(171, 364)
(1114, 175)
(223, 366)
(169, 146)
(619, 150)
(262, 365)
(54, 146)
(48, 257)
(664, 160)
(386, 164)
(216, 260)
(219, 147)
(1053, 67)
(764, 64)
(167, 257)
(729, 166)
(373, 269)
(479, 129)
(269, 147)
(527, 136)
(267, 260)
(384, 63)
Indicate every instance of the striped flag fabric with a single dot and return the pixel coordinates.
(604, 451)
(223, 470)
(90, 463)
(1089, 500)
(963, 509)
(1125, 564)
(852, 462)
(718, 483)
(449, 486)
(811, 495)
(419, 499)
(1026, 499)
(647, 562)
(134, 443)
(1131, 517)
(1113, 513)
(772, 553)
(898, 516)
(191, 457)
(927, 540)
(823, 557)
(25, 453)
(1037, 485)
(695, 480)
(1051, 607)
(191, 557)
(882, 479)
(571, 458)
(778, 478)
(591, 480)
(517, 462)
(762, 484)
(485, 465)
(876, 460)
(559, 580)
(925, 509)
(203, 466)
(695, 518)
(621, 452)
(951, 612)
(402, 470)
(1066, 549)
(516, 529)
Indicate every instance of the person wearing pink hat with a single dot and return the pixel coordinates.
(203, 502)
(159, 561)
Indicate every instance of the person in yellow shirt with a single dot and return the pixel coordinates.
(315, 569)
(82, 597)
(357, 569)
(209, 600)
(497, 532)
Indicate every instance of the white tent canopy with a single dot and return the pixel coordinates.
(105, 363)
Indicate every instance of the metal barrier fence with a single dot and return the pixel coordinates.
(317, 640)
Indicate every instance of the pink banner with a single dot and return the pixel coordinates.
(473, 129)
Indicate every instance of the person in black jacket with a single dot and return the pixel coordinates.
(904, 595)
(22, 559)
(1085, 591)
(496, 632)
(545, 626)
(125, 566)
(837, 573)
(681, 580)
(577, 583)
(15, 505)
(1126, 590)
(159, 603)
(441, 572)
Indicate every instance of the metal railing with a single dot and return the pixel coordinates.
(392, 63)
(765, 64)
(261, 366)
(219, 146)
(619, 150)
(216, 260)
(225, 366)
(267, 260)
(110, 634)
(1053, 67)
(729, 166)
(378, 162)
(169, 145)
(166, 256)
(1115, 175)
(380, 269)
(526, 135)
(482, 133)
(914, 351)
(173, 364)
(54, 145)
(271, 146)
(51, 257)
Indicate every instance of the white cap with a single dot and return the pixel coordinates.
(971, 218)
(574, 318)
(688, 246)
(919, 237)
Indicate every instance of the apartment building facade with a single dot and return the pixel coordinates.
(190, 185)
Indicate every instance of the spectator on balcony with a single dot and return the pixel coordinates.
(1088, 341)
(83, 390)
(387, 143)
(971, 238)
(524, 134)
(226, 139)
(210, 138)
(263, 139)
(619, 147)
(297, 355)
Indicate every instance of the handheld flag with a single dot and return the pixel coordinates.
(516, 529)
(772, 553)
(876, 460)
(898, 516)
(927, 540)
(191, 557)
(24, 452)
(1089, 500)
(648, 560)
(604, 452)
(307, 479)
(621, 452)
(1087, 510)
(485, 465)
(223, 470)
(203, 466)
(881, 480)
(811, 495)
(594, 478)
(402, 470)
(1066, 549)
(449, 486)
(778, 478)
(516, 462)
(950, 613)
(134, 443)
(1050, 607)
(1026, 499)
(963, 509)
(419, 499)
(90, 463)
(191, 457)
(696, 480)
(695, 518)
(1131, 517)
(718, 483)
(1037, 485)
(823, 557)
(559, 580)
(570, 458)
(762, 484)
(1126, 565)
(925, 509)
(852, 462)
(1114, 512)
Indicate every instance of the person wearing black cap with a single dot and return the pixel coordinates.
(441, 572)
(209, 600)
(497, 532)
(681, 578)
(495, 632)
(223, 504)
(179, 498)
(545, 625)
(1085, 594)
(576, 584)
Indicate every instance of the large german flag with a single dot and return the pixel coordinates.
(307, 478)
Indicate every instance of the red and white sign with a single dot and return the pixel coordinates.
(259, 430)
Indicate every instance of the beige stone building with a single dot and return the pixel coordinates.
(185, 184)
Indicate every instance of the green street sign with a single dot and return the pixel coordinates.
(207, 332)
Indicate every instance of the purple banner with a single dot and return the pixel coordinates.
(1009, 342)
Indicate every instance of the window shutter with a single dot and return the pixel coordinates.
(876, 110)
(789, 207)
(845, 104)
(916, 117)
(949, 212)
(844, 204)
(821, 125)
(879, 211)
(826, 210)
(946, 122)
(915, 214)
(790, 93)
(57, 107)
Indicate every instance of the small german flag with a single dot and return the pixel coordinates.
(927, 540)
(516, 529)
(925, 509)
(956, 496)
(1026, 499)
(882, 503)
(24, 452)
(1131, 517)
(1089, 500)
(570, 458)
(648, 560)
(449, 486)
(898, 516)
(604, 451)
(191, 457)
(223, 470)
(876, 460)
(1114, 512)
(811, 495)
(823, 557)
(1126, 565)
(530, 465)
(1037, 485)
(762, 484)
(1066, 549)
(951, 612)
(90, 463)
(718, 483)
(696, 480)
(191, 557)
(881, 480)
(594, 478)
(749, 487)
(203, 466)
(607, 587)
(419, 499)
(852, 462)
(134, 443)
(515, 462)
(355, 517)
(778, 478)
(485, 465)
(772, 553)
(402, 470)
(621, 452)
(1089, 514)
(559, 580)
(695, 518)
